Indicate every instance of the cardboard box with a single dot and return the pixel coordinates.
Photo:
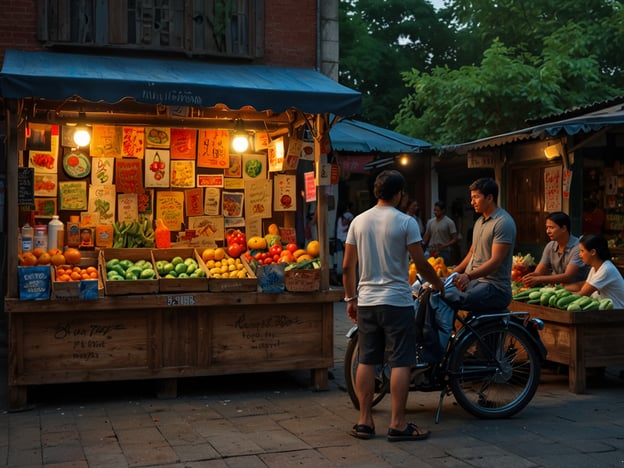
(72, 289)
(127, 287)
(180, 284)
(249, 284)
(34, 282)
(302, 280)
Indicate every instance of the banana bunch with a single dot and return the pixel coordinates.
(133, 234)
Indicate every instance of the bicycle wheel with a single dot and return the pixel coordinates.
(497, 376)
(351, 361)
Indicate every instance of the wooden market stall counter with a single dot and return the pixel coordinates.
(168, 336)
(590, 338)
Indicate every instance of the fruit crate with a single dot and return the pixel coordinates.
(167, 285)
(124, 288)
(79, 289)
(302, 280)
(249, 284)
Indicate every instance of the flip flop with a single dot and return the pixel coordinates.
(411, 432)
(362, 431)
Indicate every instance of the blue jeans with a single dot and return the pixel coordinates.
(480, 296)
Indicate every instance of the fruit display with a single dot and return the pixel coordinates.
(560, 298)
(128, 270)
(227, 268)
(68, 273)
(133, 234)
(56, 257)
(180, 268)
(521, 265)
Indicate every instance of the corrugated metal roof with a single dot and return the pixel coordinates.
(361, 137)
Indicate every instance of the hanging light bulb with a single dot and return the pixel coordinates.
(82, 137)
(240, 141)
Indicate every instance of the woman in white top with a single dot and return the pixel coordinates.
(604, 279)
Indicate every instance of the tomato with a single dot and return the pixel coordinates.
(267, 261)
(276, 258)
(275, 250)
(235, 250)
(292, 247)
(235, 236)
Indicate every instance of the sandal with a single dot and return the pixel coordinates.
(411, 432)
(362, 431)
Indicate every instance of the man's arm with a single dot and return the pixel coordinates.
(349, 279)
(499, 252)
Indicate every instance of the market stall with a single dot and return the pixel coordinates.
(160, 149)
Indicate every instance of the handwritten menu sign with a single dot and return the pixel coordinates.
(276, 155)
(194, 202)
(553, 186)
(73, 195)
(102, 170)
(170, 208)
(284, 188)
(106, 141)
(183, 143)
(102, 202)
(213, 149)
(25, 186)
(157, 168)
(128, 176)
(257, 204)
(127, 207)
(133, 143)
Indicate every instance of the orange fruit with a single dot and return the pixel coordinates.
(53, 252)
(72, 256)
(93, 275)
(65, 278)
(91, 269)
(29, 259)
(85, 276)
(76, 269)
(313, 248)
(75, 276)
(38, 251)
(44, 259)
(208, 254)
(58, 259)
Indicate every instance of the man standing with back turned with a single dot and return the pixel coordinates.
(378, 242)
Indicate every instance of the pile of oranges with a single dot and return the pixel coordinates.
(54, 257)
(75, 273)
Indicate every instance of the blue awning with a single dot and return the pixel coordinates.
(58, 76)
(585, 123)
(360, 137)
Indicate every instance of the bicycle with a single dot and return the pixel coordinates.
(491, 365)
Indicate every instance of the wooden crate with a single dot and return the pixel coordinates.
(249, 284)
(302, 280)
(180, 284)
(74, 289)
(123, 288)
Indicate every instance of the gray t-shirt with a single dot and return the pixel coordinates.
(441, 231)
(499, 228)
(558, 262)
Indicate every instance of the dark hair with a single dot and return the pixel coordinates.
(388, 184)
(487, 186)
(597, 243)
(440, 204)
(560, 219)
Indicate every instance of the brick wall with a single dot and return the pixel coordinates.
(290, 34)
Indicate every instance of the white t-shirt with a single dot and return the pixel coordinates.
(381, 236)
(609, 283)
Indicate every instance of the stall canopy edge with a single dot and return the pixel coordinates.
(172, 82)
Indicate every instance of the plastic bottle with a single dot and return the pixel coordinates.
(56, 233)
(162, 235)
(28, 234)
(41, 237)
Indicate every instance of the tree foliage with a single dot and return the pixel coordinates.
(505, 62)
(379, 39)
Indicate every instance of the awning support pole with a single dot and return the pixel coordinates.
(321, 204)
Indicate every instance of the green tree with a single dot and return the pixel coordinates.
(542, 57)
(379, 39)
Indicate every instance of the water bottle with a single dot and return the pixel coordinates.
(56, 233)
(28, 234)
(41, 237)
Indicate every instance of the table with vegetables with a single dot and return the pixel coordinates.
(580, 332)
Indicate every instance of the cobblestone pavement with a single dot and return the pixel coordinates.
(274, 420)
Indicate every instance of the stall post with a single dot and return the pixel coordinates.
(321, 202)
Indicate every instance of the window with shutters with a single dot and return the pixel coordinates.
(225, 28)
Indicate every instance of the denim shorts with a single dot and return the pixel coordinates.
(385, 327)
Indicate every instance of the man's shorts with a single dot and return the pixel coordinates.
(385, 327)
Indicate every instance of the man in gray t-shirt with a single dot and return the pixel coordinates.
(485, 272)
(560, 262)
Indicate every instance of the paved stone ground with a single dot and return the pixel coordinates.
(274, 420)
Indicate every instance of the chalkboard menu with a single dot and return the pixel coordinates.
(25, 186)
